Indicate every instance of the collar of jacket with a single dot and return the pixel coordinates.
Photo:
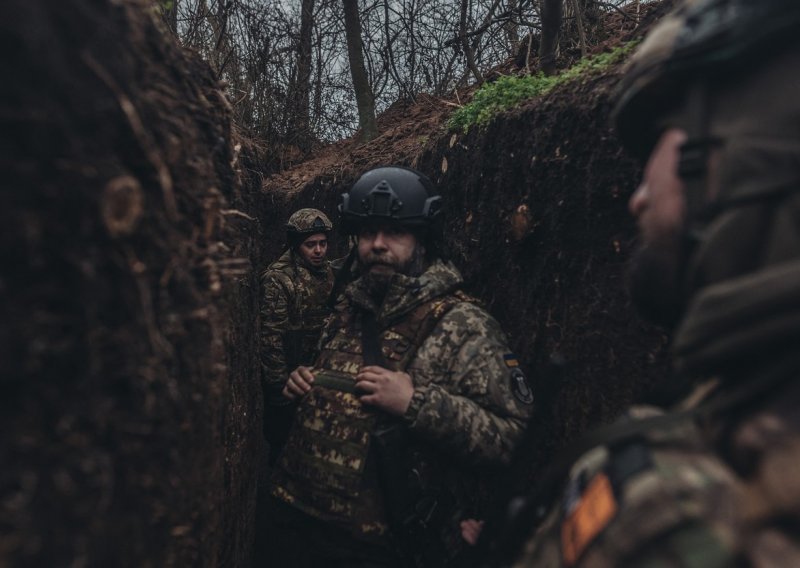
(406, 292)
(291, 260)
(740, 322)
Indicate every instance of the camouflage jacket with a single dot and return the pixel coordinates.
(293, 313)
(719, 487)
(470, 398)
(470, 402)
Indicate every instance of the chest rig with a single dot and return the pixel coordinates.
(307, 293)
(325, 469)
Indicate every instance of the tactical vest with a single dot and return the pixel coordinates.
(307, 314)
(325, 469)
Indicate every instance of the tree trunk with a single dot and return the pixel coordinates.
(579, 22)
(169, 10)
(364, 97)
(511, 29)
(300, 117)
(552, 12)
(466, 48)
(221, 52)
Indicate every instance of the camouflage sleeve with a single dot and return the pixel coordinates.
(470, 396)
(694, 524)
(274, 323)
(669, 504)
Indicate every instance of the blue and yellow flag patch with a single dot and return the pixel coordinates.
(511, 360)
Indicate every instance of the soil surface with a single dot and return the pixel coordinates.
(129, 414)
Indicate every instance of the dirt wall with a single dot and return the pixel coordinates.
(128, 408)
(537, 221)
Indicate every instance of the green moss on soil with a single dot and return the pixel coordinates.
(510, 91)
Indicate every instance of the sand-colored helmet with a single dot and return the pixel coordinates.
(696, 42)
(306, 222)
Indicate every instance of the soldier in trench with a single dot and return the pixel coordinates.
(413, 403)
(296, 288)
(711, 101)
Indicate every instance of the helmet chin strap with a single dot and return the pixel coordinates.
(342, 276)
(693, 170)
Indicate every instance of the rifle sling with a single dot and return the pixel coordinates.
(370, 340)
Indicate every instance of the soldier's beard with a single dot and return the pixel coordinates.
(377, 282)
(655, 281)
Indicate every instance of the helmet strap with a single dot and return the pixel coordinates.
(342, 276)
(693, 170)
(694, 160)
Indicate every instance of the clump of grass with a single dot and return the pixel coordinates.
(508, 92)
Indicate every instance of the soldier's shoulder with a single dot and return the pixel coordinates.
(468, 317)
(645, 495)
(279, 276)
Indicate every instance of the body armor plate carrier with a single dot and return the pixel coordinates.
(325, 469)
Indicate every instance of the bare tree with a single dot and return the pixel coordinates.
(465, 45)
(301, 89)
(363, 91)
(169, 12)
(551, 14)
(286, 71)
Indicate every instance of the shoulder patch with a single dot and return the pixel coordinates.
(519, 386)
(511, 360)
(590, 515)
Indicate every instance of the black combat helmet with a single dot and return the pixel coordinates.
(306, 222)
(391, 193)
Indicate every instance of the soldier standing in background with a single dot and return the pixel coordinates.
(296, 289)
(413, 400)
(712, 101)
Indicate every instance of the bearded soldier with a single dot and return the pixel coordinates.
(413, 400)
(712, 101)
(293, 311)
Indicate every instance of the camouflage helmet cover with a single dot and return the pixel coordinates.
(308, 222)
(693, 42)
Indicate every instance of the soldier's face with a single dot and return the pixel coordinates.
(659, 208)
(658, 203)
(314, 249)
(386, 249)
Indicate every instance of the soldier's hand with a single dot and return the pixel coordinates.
(300, 382)
(391, 391)
(471, 531)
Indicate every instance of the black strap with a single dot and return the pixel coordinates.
(371, 340)
(341, 277)
(695, 152)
